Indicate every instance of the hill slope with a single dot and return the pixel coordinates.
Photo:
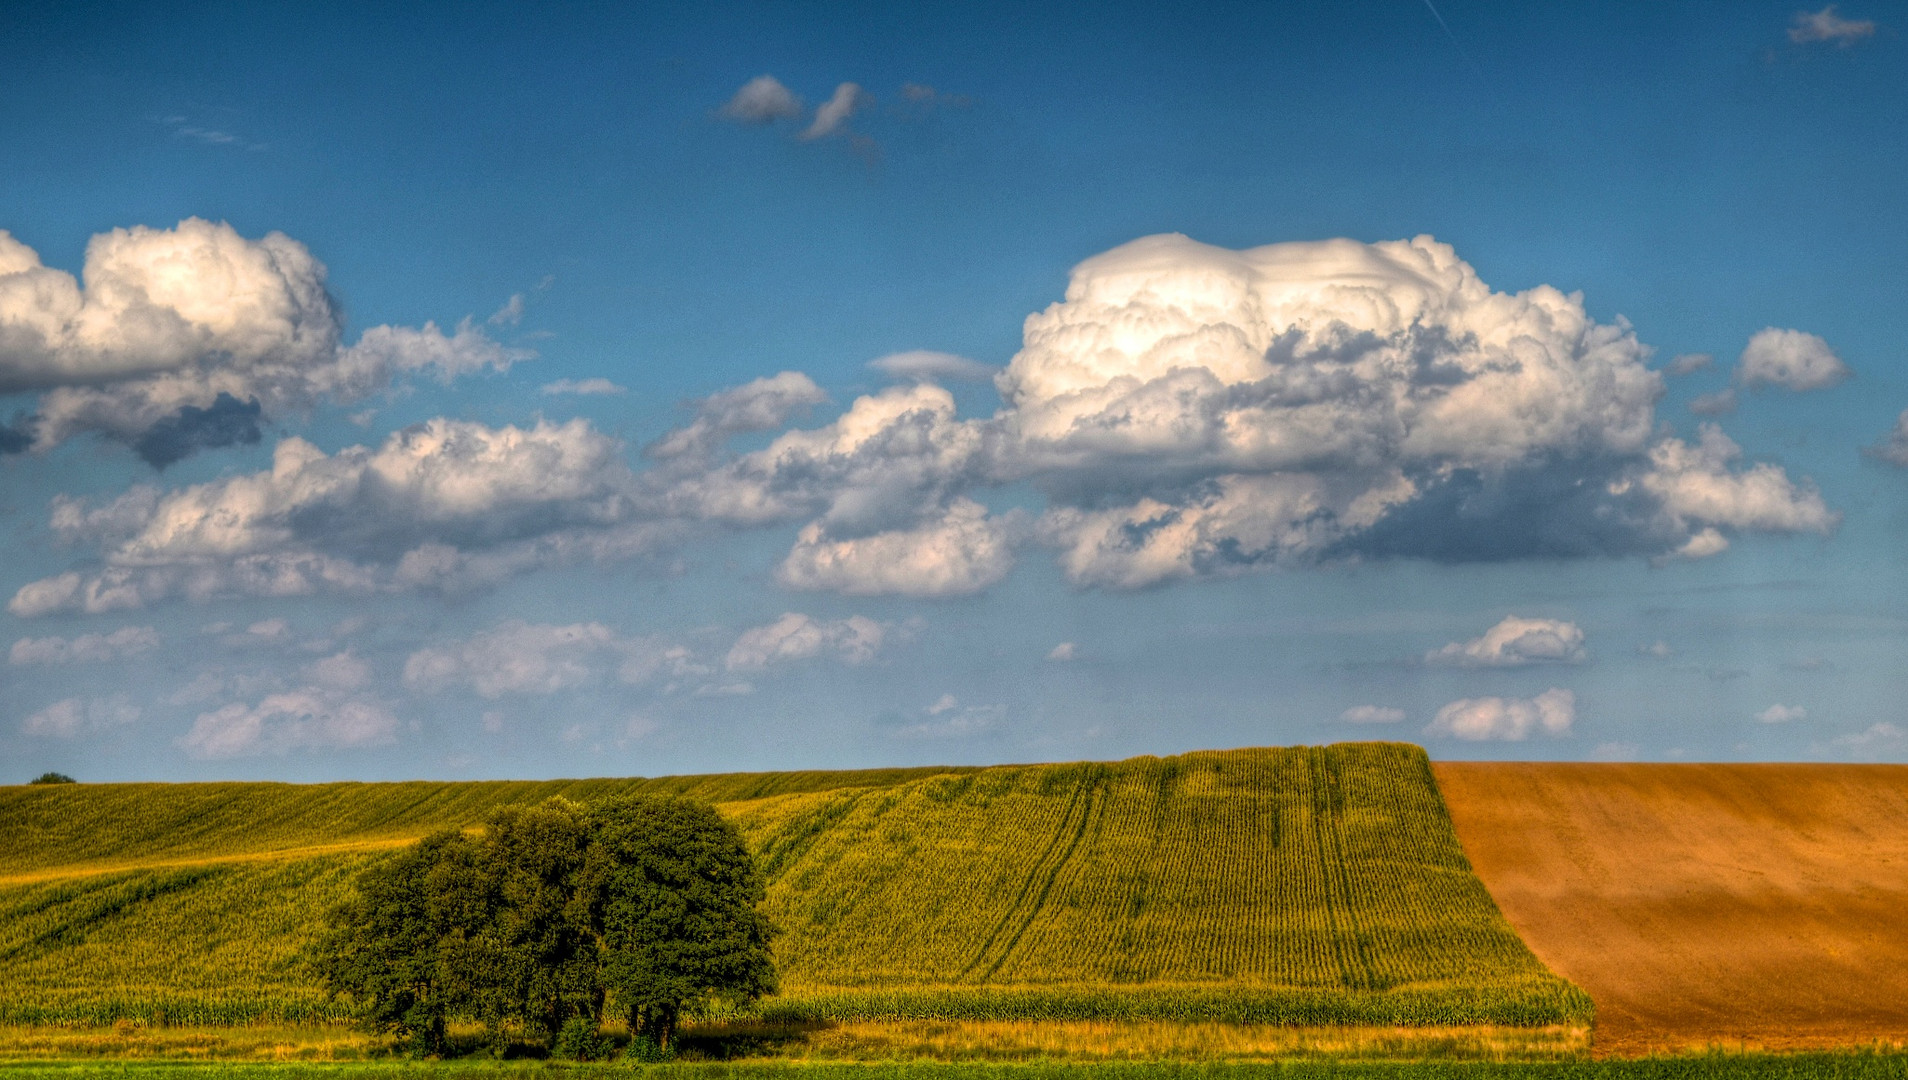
(1304, 884)
(1701, 903)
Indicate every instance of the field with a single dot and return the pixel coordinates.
(1740, 905)
(1298, 886)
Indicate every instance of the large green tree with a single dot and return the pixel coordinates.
(552, 913)
(680, 924)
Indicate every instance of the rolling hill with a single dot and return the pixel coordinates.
(1317, 885)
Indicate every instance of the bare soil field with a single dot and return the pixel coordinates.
(1751, 906)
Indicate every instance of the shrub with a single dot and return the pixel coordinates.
(580, 1040)
(53, 778)
(642, 1050)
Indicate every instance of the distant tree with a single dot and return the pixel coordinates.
(53, 778)
(678, 896)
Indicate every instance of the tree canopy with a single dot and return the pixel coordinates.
(639, 906)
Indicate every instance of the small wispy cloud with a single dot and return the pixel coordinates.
(1782, 714)
(1688, 364)
(1826, 25)
(926, 365)
(510, 314)
(832, 116)
(185, 129)
(584, 387)
(1372, 714)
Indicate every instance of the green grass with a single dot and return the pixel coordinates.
(1299, 886)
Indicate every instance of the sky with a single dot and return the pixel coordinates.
(494, 391)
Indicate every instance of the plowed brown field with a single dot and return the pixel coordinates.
(1757, 905)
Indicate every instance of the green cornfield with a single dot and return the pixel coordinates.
(1297, 885)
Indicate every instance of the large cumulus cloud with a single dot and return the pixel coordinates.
(445, 505)
(175, 340)
(1185, 411)
(1191, 410)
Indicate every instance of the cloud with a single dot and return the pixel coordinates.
(75, 716)
(948, 719)
(189, 338)
(86, 648)
(1193, 411)
(761, 405)
(1659, 649)
(1825, 25)
(832, 116)
(1782, 714)
(443, 505)
(1688, 364)
(794, 636)
(1506, 719)
(1893, 448)
(1515, 642)
(582, 387)
(510, 314)
(1696, 490)
(1185, 411)
(340, 671)
(1720, 403)
(307, 718)
(762, 100)
(1878, 737)
(1790, 359)
(1372, 714)
(929, 366)
(963, 552)
(1064, 652)
(516, 657)
(923, 96)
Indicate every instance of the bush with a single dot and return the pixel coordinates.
(642, 1050)
(580, 1040)
(53, 778)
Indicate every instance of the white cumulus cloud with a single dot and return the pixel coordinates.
(762, 100)
(307, 718)
(1514, 642)
(1506, 719)
(75, 716)
(1790, 359)
(964, 551)
(187, 338)
(445, 504)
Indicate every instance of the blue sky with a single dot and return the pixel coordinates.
(299, 484)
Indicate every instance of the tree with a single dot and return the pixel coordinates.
(52, 778)
(398, 947)
(544, 925)
(678, 894)
(545, 916)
